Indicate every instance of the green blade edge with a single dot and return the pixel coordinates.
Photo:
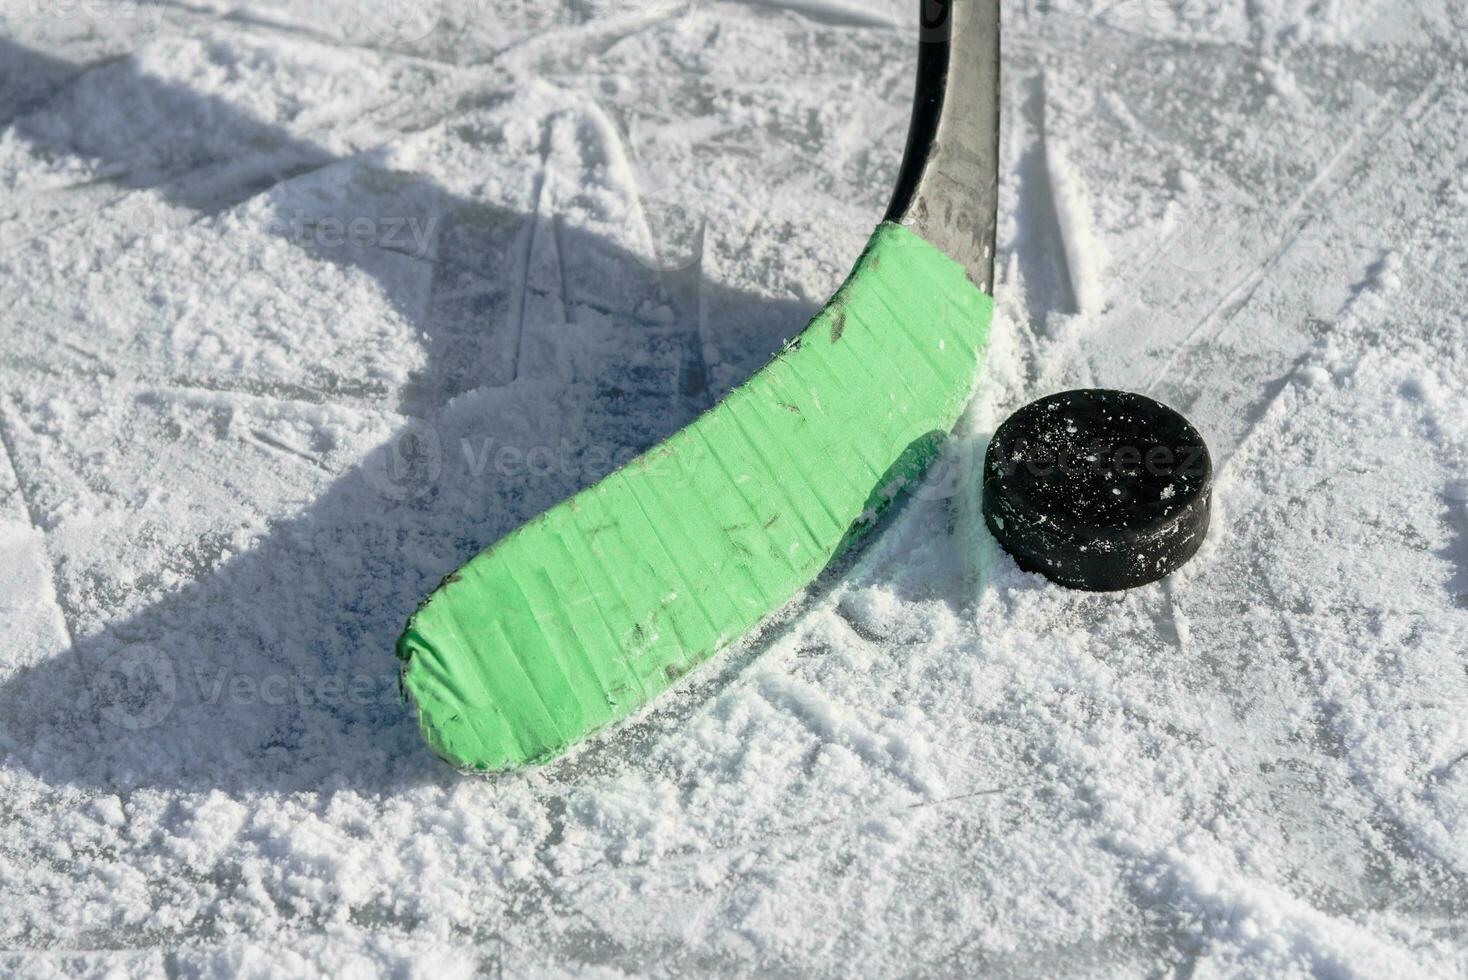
(590, 610)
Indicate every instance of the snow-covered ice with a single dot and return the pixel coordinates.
(305, 303)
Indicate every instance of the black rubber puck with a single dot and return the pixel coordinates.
(1098, 490)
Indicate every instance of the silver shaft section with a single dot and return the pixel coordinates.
(948, 187)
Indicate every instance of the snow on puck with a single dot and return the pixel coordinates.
(1098, 490)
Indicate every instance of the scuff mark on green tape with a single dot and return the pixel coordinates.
(597, 606)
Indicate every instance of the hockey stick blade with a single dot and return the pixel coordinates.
(589, 611)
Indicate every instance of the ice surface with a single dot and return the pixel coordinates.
(306, 303)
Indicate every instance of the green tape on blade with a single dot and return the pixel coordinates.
(592, 609)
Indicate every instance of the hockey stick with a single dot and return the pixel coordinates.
(592, 609)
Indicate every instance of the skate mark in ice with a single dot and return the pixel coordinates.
(534, 232)
(662, 238)
(1041, 248)
(563, 290)
(543, 53)
(859, 14)
(1254, 418)
(347, 36)
(277, 445)
(26, 493)
(1233, 300)
(687, 289)
(241, 157)
(663, 341)
(794, 834)
(813, 711)
(314, 604)
(1042, 24)
(1327, 736)
(1371, 282)
(1164, 618)
(1455, 501)
(1138, 951)
(1444, 771)
(364, 395)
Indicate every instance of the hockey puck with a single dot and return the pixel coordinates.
(1098, 490)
